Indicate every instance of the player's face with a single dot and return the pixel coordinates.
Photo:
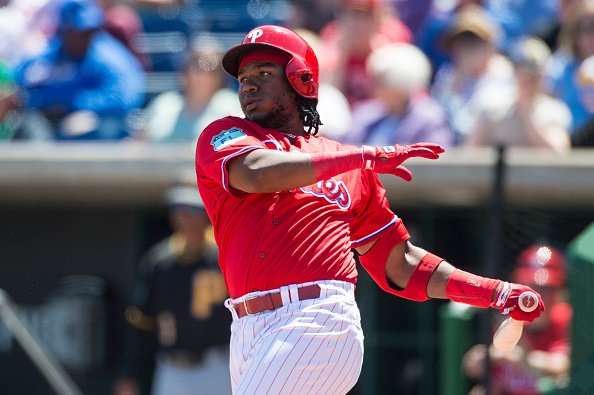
(266, 97)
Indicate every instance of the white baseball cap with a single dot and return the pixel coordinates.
(184, 194)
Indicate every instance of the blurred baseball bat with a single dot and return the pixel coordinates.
(510, 331)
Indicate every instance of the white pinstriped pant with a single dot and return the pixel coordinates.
(308, 347)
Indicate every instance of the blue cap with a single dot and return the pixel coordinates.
(80, 15)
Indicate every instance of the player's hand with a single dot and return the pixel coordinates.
(389, 159)
(507, 300)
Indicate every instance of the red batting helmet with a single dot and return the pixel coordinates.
(540, 265)
(302, 69)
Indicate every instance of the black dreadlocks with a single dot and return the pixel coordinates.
(309, 113)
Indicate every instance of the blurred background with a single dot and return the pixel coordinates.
(101, 103)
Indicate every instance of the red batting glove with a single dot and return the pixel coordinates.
(507, 300)
(389, 159)
(384, 160)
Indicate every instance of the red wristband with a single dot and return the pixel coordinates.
(471, 289)
(330, 164)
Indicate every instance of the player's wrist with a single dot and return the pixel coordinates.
(368, 157)
(501, 295)
(330, 164)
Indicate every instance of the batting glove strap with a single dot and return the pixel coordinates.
(502, 296)
(368, 155)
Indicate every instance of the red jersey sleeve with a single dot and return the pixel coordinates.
(220, 142)
(373, 217)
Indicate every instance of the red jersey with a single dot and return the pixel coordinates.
(268, 240)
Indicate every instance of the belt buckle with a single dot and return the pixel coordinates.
(247, 311)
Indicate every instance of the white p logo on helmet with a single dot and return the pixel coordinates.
(254, 34)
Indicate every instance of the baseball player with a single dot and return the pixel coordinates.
(288, 207)
(178, 309)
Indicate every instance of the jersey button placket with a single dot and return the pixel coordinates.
(261, 255)
(275, 221)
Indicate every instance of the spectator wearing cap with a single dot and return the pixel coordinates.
(84, 85)
(437, 21)
(528, 117)
(177, 317)
(181, 116)
(540, 362)
(476, 71)
(576, 43)
(401, 111)
(516, 19)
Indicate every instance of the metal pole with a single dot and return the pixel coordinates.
(47, 365)
(493, 249)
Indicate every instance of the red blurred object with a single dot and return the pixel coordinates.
(540, 265)
(363, 5)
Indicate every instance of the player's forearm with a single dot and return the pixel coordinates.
(416, 274)
(410, 272)
(267, 171)
(484, 292)
(436, 289)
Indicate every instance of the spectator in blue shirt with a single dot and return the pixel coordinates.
(519, 18)
(576, 43)
(84, 85)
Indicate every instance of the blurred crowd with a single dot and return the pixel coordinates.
(455, 72)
